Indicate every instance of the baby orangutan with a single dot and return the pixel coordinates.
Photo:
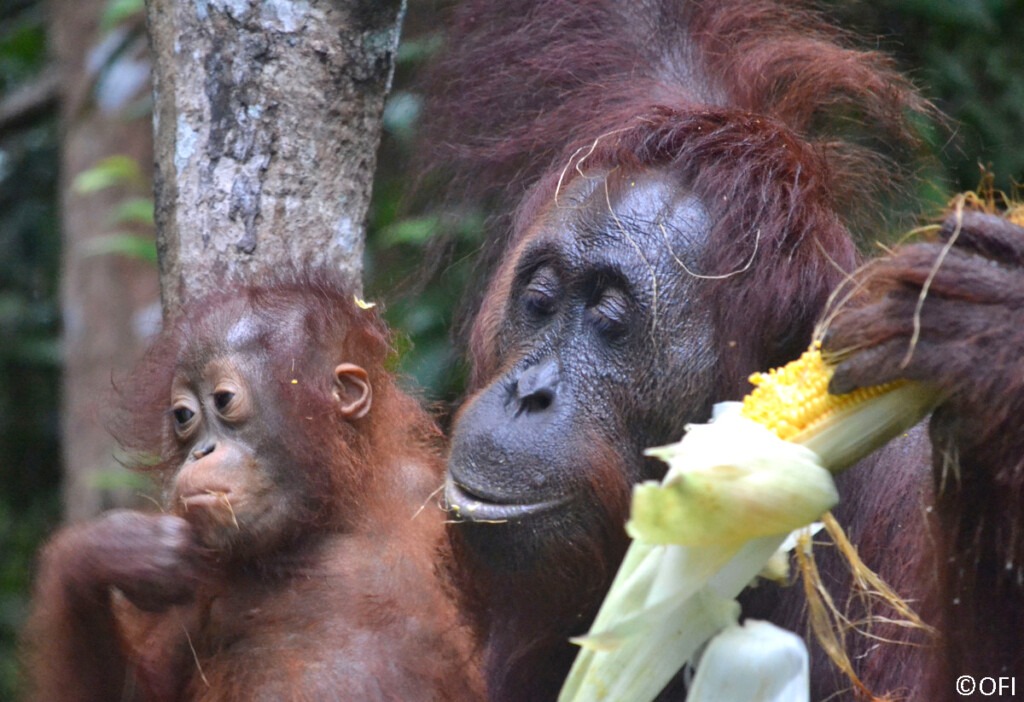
(296, 558)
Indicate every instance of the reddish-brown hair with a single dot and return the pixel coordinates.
(784, 128)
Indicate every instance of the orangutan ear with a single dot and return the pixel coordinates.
(353, 391)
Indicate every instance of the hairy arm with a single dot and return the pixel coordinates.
(951, 313)
(76, 651)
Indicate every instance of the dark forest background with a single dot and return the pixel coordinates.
(964, 54)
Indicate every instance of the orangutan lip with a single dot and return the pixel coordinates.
(466, 506)
(209, 498)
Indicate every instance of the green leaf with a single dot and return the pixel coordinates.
(135, 210)
(113, 170)
(123, 244)
(418, 50)
(117, 11)
(415, 230)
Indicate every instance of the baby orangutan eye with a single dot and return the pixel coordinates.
(222, 398)
(232, 401)
(182, 416)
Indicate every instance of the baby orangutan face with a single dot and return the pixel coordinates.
(238, 484)
(222, 483)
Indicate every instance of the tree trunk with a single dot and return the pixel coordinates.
(107, 301)
(267, 124)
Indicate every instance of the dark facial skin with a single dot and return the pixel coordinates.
(598, 307)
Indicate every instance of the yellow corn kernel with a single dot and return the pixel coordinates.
(794, 403)
(795, 398)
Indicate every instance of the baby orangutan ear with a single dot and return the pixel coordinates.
(353, 390)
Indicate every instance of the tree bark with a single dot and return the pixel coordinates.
(109, 303)
(267, 122)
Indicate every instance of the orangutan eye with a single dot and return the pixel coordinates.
(183, 415)
(540, 295)
(609, 313)
(538, 302)
(184, 409)
(222, 399)
(231, 401)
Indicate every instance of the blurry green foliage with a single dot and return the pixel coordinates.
(966, 55)
(419, 280)
(134, 210)
(29, 315)
(22, 37)
(118, 11)
(20, 530)
(29, 350)
(110, 171)
(123, 244)
(120, 170)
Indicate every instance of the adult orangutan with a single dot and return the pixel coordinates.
(678, 188)
(299, 556)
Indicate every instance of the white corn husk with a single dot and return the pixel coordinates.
(755, 662)
(732, 494)
(728, 482)
(855, 432)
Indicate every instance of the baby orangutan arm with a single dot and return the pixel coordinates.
(78, 652)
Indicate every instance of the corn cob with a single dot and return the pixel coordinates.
(727, 481)
(794, 403)
(795, 398)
